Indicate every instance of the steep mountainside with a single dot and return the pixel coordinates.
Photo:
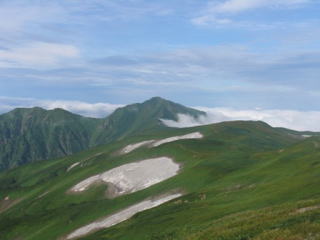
(28, 135)
(136, 118)
(241, 180)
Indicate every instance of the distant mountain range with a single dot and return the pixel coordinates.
(34, 134)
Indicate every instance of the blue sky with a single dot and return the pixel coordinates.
(240, 54)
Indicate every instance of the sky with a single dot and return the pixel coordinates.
(91, 56)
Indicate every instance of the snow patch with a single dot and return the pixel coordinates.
(195, 135)
(72, 166)
(156, 143)
(132, 177)
(122, 215)
(132, 147)
(306, 136)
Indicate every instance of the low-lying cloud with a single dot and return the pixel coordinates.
(292, 119)
(83, 108)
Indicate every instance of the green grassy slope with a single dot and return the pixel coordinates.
(28, 135)
(244, 180)
(298, 134)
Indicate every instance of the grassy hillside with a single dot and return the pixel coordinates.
(29, 135)
(243, 180)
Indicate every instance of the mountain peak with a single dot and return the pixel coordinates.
(158, 107)
(137, 118)
(32, 109)
(157, 99)
(169, 106)
(37, 112)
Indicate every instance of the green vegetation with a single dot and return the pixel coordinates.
(243, 180)
(29, 135)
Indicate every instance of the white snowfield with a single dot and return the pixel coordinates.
(122, 215)
(155, 143)
(195, 135)
(132, 177)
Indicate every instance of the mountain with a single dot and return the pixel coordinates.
(136, 118)
(28, 135)
(236, 180)
(34, 134)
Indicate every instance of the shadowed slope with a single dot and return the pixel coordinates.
(28, 135)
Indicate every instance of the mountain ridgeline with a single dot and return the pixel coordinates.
(34, 134)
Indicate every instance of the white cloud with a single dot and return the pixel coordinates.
(37, 54)
(209, 19)
(83, 108)
(216, 11)
(234, 68)
(292, 119)
(228, 69)
(236, 6)
(79, 107)
(16, 15)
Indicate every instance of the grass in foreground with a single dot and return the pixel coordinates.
(244, 180)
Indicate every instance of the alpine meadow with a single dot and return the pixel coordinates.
(159, 120)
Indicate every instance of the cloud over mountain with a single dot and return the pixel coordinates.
(79, 107)
(292, 119)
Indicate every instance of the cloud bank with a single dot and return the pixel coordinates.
(292, 119)
(79, 107)
(296, 120)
